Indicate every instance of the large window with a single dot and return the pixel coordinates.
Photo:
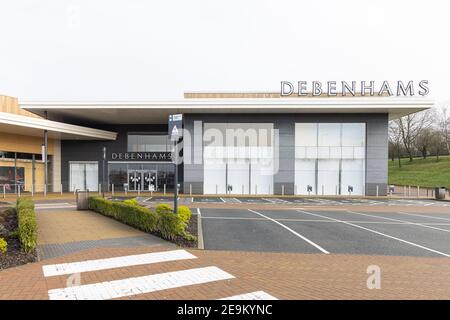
(330, 158)
(238, 158)
(83, 176)
(149, 143)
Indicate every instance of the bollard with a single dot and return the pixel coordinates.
(164, 189)
(99, 189)
(61, 189)
(377, 191)
(45, 190)
(190, 189)
(112, 189)
(282, 189)
(32, 190)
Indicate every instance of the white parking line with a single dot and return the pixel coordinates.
(257, 295)
(397, 220)
(316, 220)
(292, 231)
(139, 285)
(116, 262)
(424, 216)
(379, 233)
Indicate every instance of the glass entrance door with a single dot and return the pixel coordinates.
(150, 181)
(142, 180)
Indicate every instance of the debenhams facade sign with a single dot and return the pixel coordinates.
(353, 88)
(145, 156)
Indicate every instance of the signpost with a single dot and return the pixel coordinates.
(175, 133)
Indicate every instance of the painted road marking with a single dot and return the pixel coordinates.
(325, 221)
(292, 231)
(257, 295)
(139, 285)
(116, 262)
(402, 221)
(425, 216)
(60, 205)
(379, 233)
(277, 200)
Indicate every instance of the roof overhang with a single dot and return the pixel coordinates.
(23, 125)
(129, 112)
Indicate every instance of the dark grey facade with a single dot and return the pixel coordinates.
(85, 150)
(191, 175)
(376, 146)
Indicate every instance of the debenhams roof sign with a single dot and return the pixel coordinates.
(353, 88)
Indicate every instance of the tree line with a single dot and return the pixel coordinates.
(420, 134)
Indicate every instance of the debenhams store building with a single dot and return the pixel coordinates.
(233, 143)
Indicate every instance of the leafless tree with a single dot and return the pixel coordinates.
(395, 140)
(442, 119)
(409, 127)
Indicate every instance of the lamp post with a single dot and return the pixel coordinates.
(175, 133)
(104, 172)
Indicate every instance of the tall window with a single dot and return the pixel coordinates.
(83, 176)
(330, 158)
(149, 143)
(238, 158)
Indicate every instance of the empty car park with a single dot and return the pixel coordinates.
(327, 230)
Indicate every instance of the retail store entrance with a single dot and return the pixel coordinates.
(143, 180)
(145, 176)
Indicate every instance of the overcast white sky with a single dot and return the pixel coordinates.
(140, 50)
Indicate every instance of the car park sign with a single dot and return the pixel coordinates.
(175, 126)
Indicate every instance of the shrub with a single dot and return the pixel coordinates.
(170, 225)
(3, 245)
(130, 214)
(132, 202)
(4, 233)
(27, 230)
(163, 208)
(162, 221)
(185, 213)
(24, 203)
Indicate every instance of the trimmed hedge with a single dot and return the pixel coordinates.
(170, 225)
(130, 214)
(27, 229)
(162, 221)
(185, 213)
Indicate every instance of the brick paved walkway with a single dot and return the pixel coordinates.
(67, 231)
(282, 275)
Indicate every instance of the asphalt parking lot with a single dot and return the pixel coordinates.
(323, 201)
(330, 230)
